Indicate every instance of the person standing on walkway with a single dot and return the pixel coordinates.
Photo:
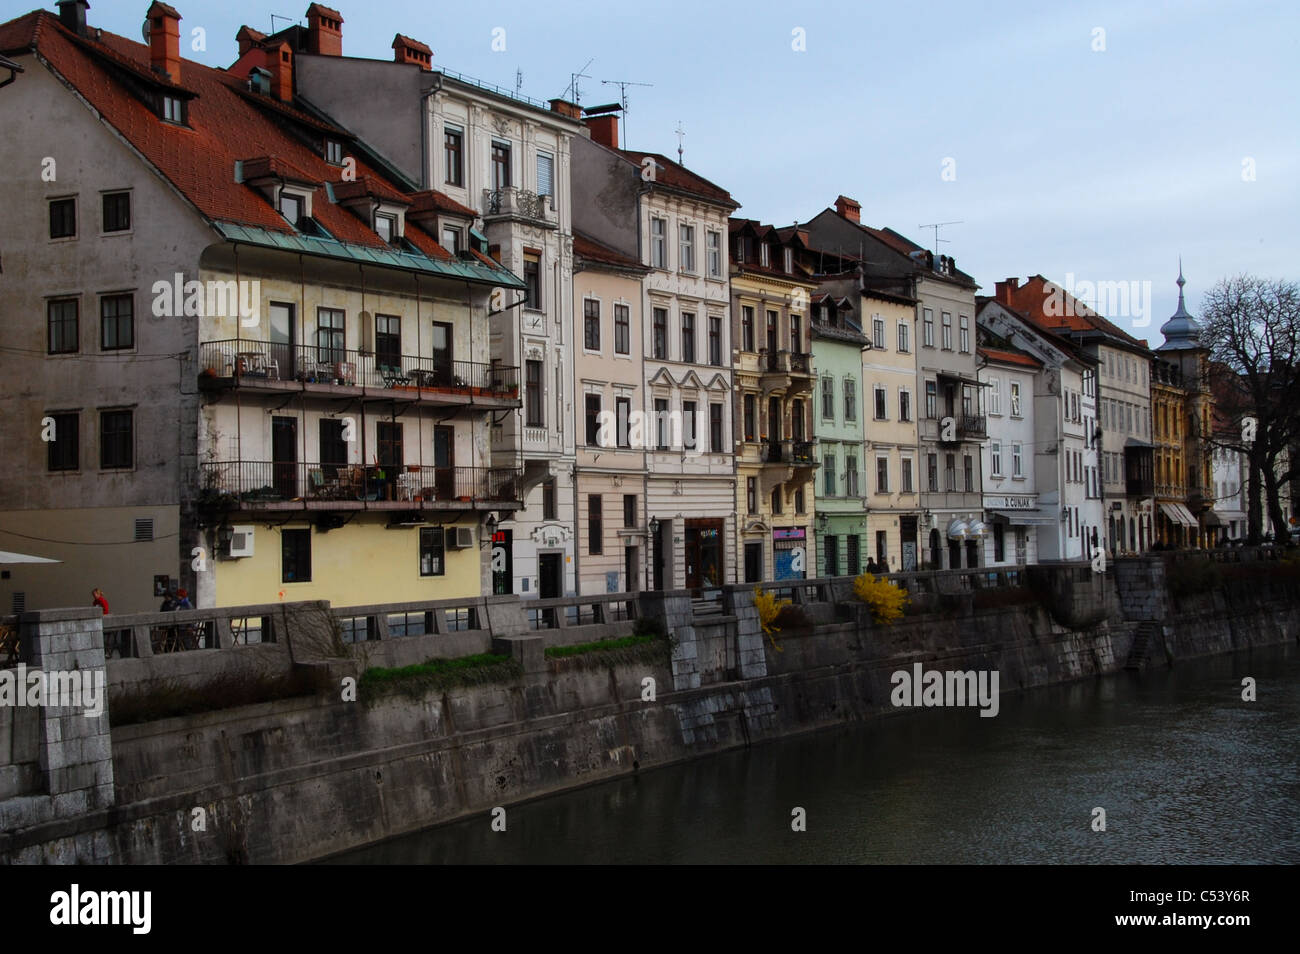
(97, 599)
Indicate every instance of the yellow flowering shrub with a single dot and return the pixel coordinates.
(886, 599)
(769, 608)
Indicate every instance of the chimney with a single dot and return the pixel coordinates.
(247, 38)
(279, 63)
(165, 40)
(566, 108)
(848, 208)
(324, 31)
(406, 50)
(72, 14)
(1002, 291)
(604, 130)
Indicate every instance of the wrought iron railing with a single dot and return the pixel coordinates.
(256, 482)
(511, 200)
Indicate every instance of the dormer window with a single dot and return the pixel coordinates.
(334, 152)
(291, 207)
(789, 260)
(173, 109)
(386, 226)
(764, 256)
(451, 239)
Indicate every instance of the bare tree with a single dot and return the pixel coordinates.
(1252, 327)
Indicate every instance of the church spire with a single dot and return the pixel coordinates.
(1181, 331)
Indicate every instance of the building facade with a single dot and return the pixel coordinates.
(1010, 458)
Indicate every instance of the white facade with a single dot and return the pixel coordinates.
(1229, 492)
(1011, 504)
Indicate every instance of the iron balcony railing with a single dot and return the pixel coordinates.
(255, 482)
(511, 200)
(245, 361)
(799, 453)
(972, 425)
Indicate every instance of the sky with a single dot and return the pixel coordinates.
(1081, 141)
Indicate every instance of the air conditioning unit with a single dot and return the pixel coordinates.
(460, 538)
(241, 542)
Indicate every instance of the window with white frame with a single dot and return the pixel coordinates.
(850, 399)
(947, 331)
(546, 174)
(964, 331)
(1017, 468)
(686, 248)
(927, 328)
(995, 395)
(995, 451)
(851, 486)
(882, 475)
(713, 241)
(906, 486)
(1015, 398)
(904, 404)
(828, 398)
(882, 399)
(878, 332)
(904, 337)
(659, 243)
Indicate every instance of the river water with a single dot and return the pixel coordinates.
(1186, 771)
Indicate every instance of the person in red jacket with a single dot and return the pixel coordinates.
(98, 599)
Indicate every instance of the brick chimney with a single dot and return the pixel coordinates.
(1002, 291)
(566, 108)
(165, 40)
(247, 38)
(279, 63)
(406, 50)
(849, 208)
(324, 31)
(72, 14)
(604, 130)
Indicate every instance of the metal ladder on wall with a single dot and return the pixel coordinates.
(1141, 649)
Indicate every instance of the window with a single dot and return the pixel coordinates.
(334, 152)
(778, 502)
(591, 324)
(686, 248)
(116, 322)
(904, 404)
(117, 211)
(688, 336)
(116, 440)
(850, 399)
(661, 423)
(533, 415)
(828, 474)
(432, 554)
(295, 556)
(592, 404)
(688, 425)
(629, 510)
(451, 239)
(548, 499)
(995, 395)
(787, 260)
(882, 398)
(964, 333)
(173, 109)
(63, 218)
(927, 329)
(931, 400)
(659, 243)
(798, 500)
(532, 282)
(947, 331)
(660, 342)
(904, 338)
(64, 332)
(595, 525)
(828, 399)
(500, 165)
(1015, 398)
(747, 328)
(882, 475)
(388, 441)
(772, 336)
(388, 341)
(932, 471)
(907, 476)
(950, 472)
(999, 543)
(968, 471)
(291, 207)
(546, 174)
(796, 334)
(852, 488)
(623, 417)
(453, 141)
(995, 452)
(63, 451)
(715, 341)
(329, 335)
(1016, 467)
(714, 242)
(764, 255)
(622, 326)
(751, 495)
(749, 407)
(333, 448)
(878, 332)
(854, 555)
(715, 429)
(832, 556)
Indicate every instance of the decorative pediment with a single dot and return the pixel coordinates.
(662, 378)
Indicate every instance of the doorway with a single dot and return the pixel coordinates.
(444, 463)
(703, 553)
(284, 457)
(631, 570)
(659, 556)
(283, 338)
(442, 367)
(550, 575)
(907, 529)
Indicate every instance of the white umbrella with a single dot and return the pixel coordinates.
(7, 557)
(957, 530)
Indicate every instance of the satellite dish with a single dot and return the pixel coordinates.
(144, 31)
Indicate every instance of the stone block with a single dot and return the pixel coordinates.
(70, 804)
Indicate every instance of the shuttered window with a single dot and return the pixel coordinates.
(545, 174)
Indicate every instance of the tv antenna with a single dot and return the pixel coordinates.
(277, 16)
(936, 226)
(622, 98)
(574, 91)
(681, 134)
(519, 81)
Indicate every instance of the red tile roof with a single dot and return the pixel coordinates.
(369, 186)
(406, 41)
(594, 251)
(226, 123)
(324, 11)
(676, 176)
(158, 8)
(1031, 299)
(431, 200)
(1010, 357)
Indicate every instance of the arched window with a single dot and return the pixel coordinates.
(936, 554)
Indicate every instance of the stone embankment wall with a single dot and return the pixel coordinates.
(301, 778)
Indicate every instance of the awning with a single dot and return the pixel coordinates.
(1212, 519)
(7, 557)
(1023, 518)
(1178, 514)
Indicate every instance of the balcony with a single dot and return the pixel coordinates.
(972, 426)
(785, 371)
(264, 366)
(519, 204)
(790, 453)
(258, 485)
